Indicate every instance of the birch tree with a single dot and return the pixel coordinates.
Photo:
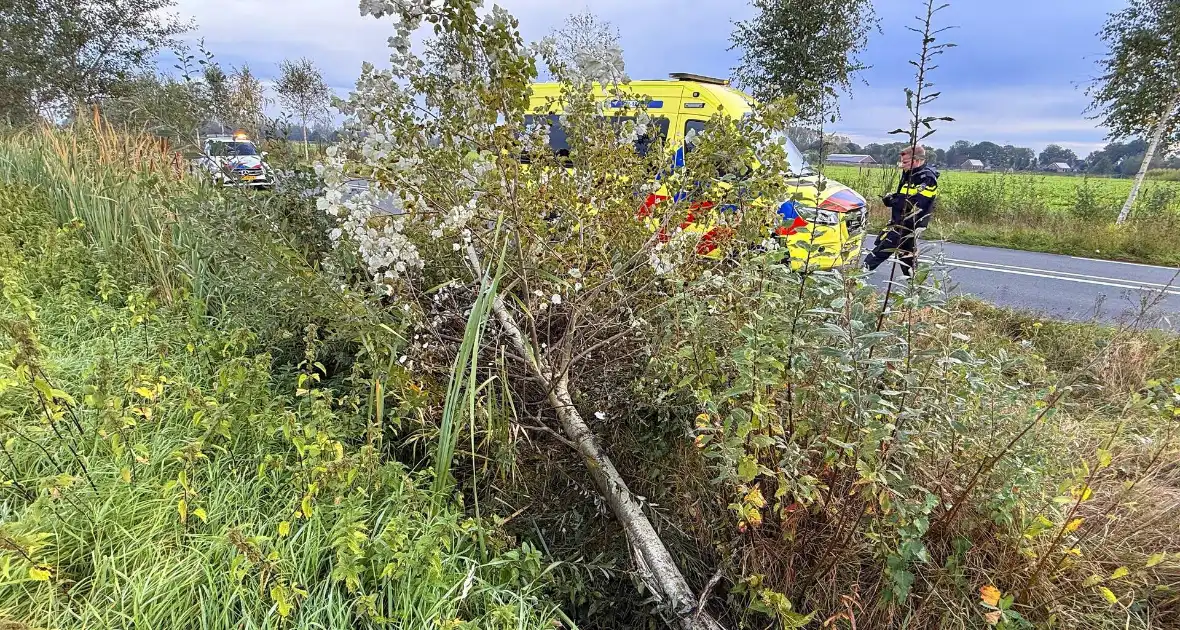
(302, 90)
(582, 276)
(806, 48)
(586, 46)
(247, 100)
(218, 85)
(1138, 91)
(57, 54)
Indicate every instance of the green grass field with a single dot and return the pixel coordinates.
(1067, 214)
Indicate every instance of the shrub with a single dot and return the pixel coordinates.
(858, 445)
(1087, 206)
(983, 199)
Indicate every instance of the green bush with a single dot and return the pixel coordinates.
(1087, 206)
(870, 448)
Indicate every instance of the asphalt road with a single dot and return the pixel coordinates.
(1059, 287)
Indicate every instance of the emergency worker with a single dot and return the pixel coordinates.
(911, 208)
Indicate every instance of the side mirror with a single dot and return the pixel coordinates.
(264, 154)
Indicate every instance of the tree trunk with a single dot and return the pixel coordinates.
(306, 156)
(1151, 149)
(656, 565)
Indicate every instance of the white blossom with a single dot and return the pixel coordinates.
(371, 219)
(661, 263)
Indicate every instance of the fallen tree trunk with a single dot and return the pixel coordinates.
(656, 565)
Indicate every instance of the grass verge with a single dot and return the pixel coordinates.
(167, 461)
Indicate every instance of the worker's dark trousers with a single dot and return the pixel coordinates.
(896, 238)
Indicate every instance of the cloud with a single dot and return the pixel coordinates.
(1010, 80)
(660, 36)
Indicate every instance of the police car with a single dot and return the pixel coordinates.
(234, 160)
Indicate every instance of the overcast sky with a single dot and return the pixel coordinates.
(1017, 76)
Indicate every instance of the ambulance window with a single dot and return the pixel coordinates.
(657, 132)
(559, 141)
(691, 129)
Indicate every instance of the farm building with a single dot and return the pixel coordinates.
(848, 158)
(1059, 167)
(972, 165)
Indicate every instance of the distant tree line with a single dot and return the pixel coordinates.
(64, 58)
(1121, 159)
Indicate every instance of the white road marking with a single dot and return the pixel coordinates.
(1052, 277)
(1161, 285)
(942, 248)
(1121, 262)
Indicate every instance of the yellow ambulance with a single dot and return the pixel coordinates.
(821, 229)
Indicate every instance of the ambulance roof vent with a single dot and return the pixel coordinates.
(699, 78)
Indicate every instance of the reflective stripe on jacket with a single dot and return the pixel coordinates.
(917, 194)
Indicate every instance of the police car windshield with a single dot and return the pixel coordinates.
(232, 149)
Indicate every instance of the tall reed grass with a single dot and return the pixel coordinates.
(127, 191)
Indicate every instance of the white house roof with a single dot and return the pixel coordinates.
(1061, 166)
(973, 163)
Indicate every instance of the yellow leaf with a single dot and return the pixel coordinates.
(989, 595)
(305, 506)
(1110, 596)
(1091, 581)
(201, 514)
(147, 393)
(754, 517)
(1104, 458)
(755, 498)
(125, 474)
(182, 508)
(279, 594)
(38, 574)
(1156, 558)
(1119, 573)
(1073, 525)
(285, 529)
